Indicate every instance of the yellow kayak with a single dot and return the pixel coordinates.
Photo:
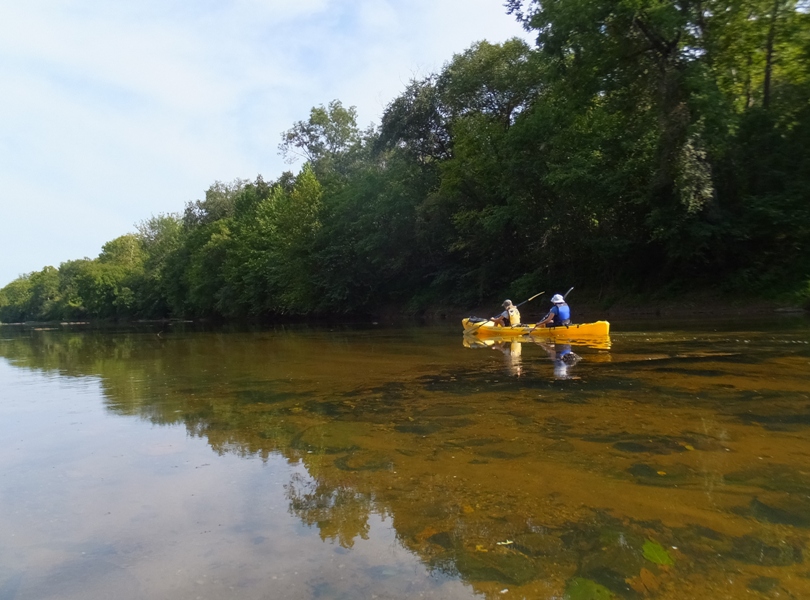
(486, 328)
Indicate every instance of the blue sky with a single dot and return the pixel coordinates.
(114, 111)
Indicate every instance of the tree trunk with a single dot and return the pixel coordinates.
(766, 88)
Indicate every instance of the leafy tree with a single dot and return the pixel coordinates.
(160, 238)
(327, 140)
(683, 70)
(103, 289)
(108, 285)
(497, 80)
(219, 203)
(15, 299)
(269, 266)
(368, 249)
(44, 301)
(417, 122)
(71, 304)
(125, 251)
(204, 277)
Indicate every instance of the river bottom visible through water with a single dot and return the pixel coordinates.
(390, 462)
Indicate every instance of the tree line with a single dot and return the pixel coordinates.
(638, 145)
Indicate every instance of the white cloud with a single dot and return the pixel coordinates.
(115, 111)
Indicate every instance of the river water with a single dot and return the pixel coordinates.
(391, 462)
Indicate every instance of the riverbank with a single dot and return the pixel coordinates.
(585, 309)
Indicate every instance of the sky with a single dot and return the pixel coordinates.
(114, 111)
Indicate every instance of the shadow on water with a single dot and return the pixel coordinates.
(672, 465)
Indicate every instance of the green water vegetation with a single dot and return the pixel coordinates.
(585, 589)
(655, 552)
(638, 145)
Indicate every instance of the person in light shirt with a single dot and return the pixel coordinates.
(509, 317)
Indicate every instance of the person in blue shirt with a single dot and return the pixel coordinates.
(560, 313)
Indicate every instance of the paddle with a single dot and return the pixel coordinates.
(518, 306)
(530, 299)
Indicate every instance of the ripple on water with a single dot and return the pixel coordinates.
(364, 461)
(773, 477)
(792, 510)
(332, 438)
(672, 475)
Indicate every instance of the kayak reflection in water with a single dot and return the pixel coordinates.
(563, 357)
(511, 352)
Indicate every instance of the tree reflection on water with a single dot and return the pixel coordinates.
(339, 512)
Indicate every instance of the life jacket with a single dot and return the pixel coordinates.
(514, 315)
(562, 314)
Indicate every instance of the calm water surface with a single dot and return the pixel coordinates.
(403, 463)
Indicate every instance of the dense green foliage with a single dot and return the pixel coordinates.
(641, 145)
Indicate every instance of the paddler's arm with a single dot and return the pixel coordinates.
(500, 318)
(547, 319)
